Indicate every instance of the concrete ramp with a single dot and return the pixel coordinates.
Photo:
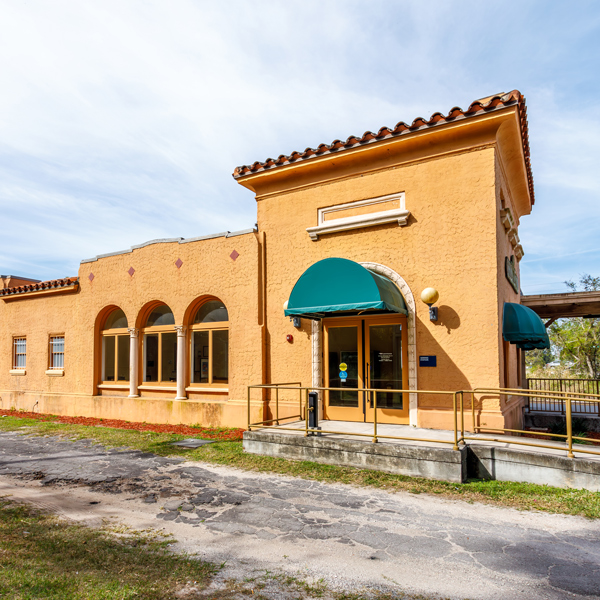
(501, 460)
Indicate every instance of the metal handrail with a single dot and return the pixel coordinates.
(458, 408)
(308, 430)
(566, 397)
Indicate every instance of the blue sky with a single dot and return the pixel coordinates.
(123, 121)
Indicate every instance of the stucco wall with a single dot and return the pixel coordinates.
(449, 243)
(453, 181)
(207, 270)
(508, 353)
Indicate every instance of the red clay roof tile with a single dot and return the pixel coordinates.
(477, 107)
(40, 286)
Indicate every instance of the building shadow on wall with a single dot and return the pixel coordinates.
(446, 375)
(448, 318)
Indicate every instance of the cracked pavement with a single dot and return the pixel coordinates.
(351, 537)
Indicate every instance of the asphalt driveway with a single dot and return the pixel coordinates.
(352, 538)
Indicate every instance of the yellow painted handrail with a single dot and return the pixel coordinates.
(458, 408)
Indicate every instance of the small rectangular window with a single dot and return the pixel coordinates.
(151, 357)
(19, 353)
(220, 356)
(200, 357)
(115, 358)
(57, 352)
(123, 358)
(210, 356)
(109, 358)
(168, 357)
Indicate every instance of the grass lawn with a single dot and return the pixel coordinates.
(523, 496)
(45, 557)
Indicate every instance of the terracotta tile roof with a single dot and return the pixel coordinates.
(53, 284)
(476, 108)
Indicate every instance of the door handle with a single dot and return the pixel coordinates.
(367, 378)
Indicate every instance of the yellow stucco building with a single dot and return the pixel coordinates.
(174, 330)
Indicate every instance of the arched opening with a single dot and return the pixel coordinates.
(159, 363)
(115, 348)
(209, 344)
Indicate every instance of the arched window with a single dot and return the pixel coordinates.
(210, 344)
(115, 348)
(160, 346)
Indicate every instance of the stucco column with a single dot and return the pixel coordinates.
(180, 362)
(133, 362)
(317, 352)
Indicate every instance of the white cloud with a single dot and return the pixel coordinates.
(123, 121)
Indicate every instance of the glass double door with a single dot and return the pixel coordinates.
(366, 353)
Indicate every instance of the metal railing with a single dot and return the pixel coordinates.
(542, 403)
(567, 397)
(459, 409)
(294, 385)
(375, 436)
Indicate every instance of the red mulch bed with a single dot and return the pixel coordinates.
(211, 433)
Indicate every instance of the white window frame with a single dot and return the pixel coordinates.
(53, 367)
(377, 217)
(19, 350)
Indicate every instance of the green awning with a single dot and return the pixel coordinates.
(338, 285)
(522, 326)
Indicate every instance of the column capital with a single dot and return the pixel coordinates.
(180, 329)
(133, 332)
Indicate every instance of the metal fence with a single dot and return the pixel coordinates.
(547, 402)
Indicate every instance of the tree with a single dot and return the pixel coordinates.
(537, 361)
(577, 340)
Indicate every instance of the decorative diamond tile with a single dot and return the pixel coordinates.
(234, 255)
(178, 263)
(91, 277)
(131, 271)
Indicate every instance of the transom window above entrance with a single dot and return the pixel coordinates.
(359, 214)
(210, 345)
(115, 348)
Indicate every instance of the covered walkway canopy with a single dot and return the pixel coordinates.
(562, 306)
(339, 285)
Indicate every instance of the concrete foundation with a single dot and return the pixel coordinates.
(403, 459)
(477, 460)
(509, 464)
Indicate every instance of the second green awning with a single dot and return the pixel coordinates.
(339, 285)
(522, 326)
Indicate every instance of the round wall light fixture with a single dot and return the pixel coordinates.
(430, 296)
